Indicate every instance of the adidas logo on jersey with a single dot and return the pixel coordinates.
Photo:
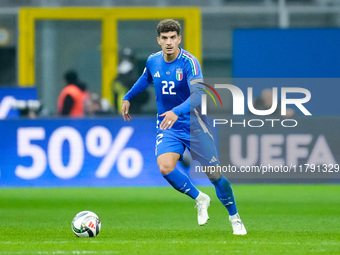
(156, 74)
(213, 159)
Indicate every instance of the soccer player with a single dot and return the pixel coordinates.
(177, 77)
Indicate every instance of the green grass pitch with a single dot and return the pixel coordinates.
(280, 219)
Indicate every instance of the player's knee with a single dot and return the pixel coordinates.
(167, 162)
(165, 168)
(213, 176)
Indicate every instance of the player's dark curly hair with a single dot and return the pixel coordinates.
(168, 25)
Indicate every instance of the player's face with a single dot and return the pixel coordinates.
(169, 42)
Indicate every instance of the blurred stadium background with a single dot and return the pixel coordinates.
(259, 43)
(41, 40)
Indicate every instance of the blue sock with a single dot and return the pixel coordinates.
(225, 194)
(182, 183)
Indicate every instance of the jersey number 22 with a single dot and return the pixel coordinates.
(167, 88)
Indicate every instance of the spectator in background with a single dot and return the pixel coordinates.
(127, 75)
(94, 105)
(265, 102)
(72, 97)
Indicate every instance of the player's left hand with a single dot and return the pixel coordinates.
(169, 120)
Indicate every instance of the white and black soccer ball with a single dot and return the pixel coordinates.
(86, 224)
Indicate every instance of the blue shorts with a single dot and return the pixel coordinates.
(201, 146)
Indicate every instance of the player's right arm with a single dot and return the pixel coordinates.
(125, 110)
(141, 84)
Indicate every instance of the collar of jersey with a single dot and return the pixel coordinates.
(178, 57)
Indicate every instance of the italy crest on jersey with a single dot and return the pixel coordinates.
(179, 74)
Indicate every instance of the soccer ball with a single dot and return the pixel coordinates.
(86, 224)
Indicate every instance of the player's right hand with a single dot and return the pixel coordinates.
(125, 110)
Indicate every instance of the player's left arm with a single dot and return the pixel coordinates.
(169, 120)
(193, 101)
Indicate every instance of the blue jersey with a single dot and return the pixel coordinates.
(177, 89)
